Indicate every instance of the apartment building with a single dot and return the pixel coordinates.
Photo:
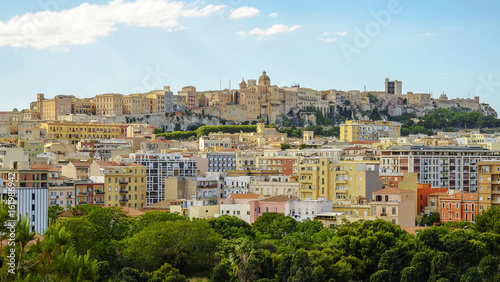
(453, 167)
(395, 205)
(62, 196)
(31, 202)
(26, 178)
(124, 183)
(160, 166)
(367, 130)
(109, 104)
(275, 185)
(458, 207)
(51, 109)
(33, 148)
(488, 184)
(301, 210)
(12, 156)
(221, 161)
(315, 181)
(135, 104)
(282, 164)
(274, 204)
(89, 193)
(83, 106)
(238, 205)
(74, 132)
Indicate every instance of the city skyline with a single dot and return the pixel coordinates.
(137, 46)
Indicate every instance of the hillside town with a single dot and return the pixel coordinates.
(65, 152)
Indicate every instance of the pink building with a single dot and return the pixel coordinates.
(238, 205)
(274, 204)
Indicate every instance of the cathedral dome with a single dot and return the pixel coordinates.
(264, 80)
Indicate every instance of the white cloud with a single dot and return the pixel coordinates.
(87, 22)
(327, 39)
(275, 29)
(423, 35)
(244, 12)
(273, 15)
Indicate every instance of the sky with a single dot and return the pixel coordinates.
(128, 46)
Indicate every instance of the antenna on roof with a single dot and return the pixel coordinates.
(365, 87)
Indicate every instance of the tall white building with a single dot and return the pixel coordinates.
(158, 167)
(31, 202)
(453, 167)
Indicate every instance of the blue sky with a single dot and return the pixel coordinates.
(88, 48)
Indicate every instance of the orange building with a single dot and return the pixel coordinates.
(423, 191)
(89, 193)
(458, 207)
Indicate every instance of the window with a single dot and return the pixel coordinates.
(456, 215)
(394, 211)
(456, 205)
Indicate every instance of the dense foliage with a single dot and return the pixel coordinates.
(444, 120)
(103, 244)
(204, 130)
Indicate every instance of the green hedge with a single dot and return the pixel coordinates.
(205, 130)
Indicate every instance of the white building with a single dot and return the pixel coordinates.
(31, 202)
(301, 210)
(160, 166)
(235, 185)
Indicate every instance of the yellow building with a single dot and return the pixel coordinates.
(32, 147)
(124, 183)
(109, 104)
(83, 106)
(339, 182)
(135, 104)
(488, 184)
(316, 179)
(74, 132)
(51, 109)
(365, 130)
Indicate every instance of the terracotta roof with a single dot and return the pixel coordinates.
(115, 164)
(244, 196)
(41, 167)
(133, 212)
(280, 198)
(355, 148)
(85, 164)
(391, 190)
(458, 196)
(364, 142)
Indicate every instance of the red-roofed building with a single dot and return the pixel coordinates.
(395, 205)
(238, 205)
(423, 191)
(274, 204)
(458, 207)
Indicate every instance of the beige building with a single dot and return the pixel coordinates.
(83, 106)
(275, 185)
(365, 130)
(63, 196)
(109, 104)
(135, 104)
(124, 183)
(395, 205)
(51, 109)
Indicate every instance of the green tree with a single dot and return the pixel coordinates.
(301, 270)
(488, 267)
(188, 246)
(488, 220)
(409, 274)
(285, 146)
(230, 227)
(274, 225)
(380, 276)
(54, 212)
(421, 263)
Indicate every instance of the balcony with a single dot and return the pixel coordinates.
(54, 196)
(123, 181)
(82, 194)
(69, 196)
(383, 214)
(99, 192)
(99, 202)
(123, 191)
(123, 200)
